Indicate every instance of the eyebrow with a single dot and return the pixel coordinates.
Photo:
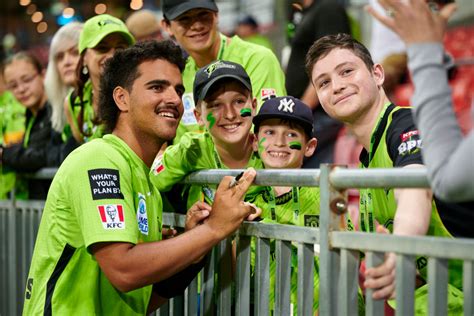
(164, 82)
(341, 65)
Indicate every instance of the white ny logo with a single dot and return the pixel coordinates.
(286, 105)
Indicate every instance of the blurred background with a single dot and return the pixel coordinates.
(30, 24)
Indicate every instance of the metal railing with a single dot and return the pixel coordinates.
(339, 253)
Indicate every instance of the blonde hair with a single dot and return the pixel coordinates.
(56, 90)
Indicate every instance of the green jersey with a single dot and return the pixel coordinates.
(194, 152)
(300, 207)
(84, 118)
(396, 142)
(101, 193)
(12, 128)
(262, 66)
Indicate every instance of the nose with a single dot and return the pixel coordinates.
(338, 84)
(230, 112)
(172, 97)
(280, 139)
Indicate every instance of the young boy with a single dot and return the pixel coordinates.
(225, 107)
(284, 136)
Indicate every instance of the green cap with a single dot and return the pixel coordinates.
(98, 27)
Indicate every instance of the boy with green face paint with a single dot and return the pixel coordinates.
(225, 107)
(284, 136)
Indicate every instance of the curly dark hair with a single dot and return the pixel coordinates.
(323, 46)
(122, 70)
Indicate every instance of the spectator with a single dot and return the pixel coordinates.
(144, 25)
(93, 245)
(349, 86)
(12, 128)
(193, 23)
(248, 30)
(447, 155)
(101, 36)
(319, 18)
(40, 146)
(225, 107)
(61, 71)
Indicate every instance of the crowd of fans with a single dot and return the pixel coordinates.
(216, 86)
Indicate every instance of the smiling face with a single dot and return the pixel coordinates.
(225, 113)
(195, 30)
(66, 61)
(346, 88)
(96, 57)
(153, 106)
(282, 145)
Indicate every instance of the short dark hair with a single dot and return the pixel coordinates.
(122, 70)
(26, 56)
(323, 46)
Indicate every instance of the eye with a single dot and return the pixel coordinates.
(268, 132)
(292, 134)
(323, 83)
(59, 56)
(157, 88)
(180, 92)
(347, 71)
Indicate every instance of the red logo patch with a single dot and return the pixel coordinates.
(408, 135)
(267, 94)
(112, 216)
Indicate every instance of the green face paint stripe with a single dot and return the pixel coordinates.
(295, 145)
(211, 119)
(245, 112)
(260, 146)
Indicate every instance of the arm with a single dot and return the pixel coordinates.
(444, 147)
(161, 260)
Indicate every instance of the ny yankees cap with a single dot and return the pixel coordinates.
(174, 8)
(98, 27)
(208, 75)
(286, 108)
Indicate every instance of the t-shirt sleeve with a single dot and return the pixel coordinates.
(102, 199)
(403, 139)
(268, 79)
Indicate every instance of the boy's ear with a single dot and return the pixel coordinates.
(122, 98)
(255, 143)
(254, 106)
(165, 25)
(197, 114)
(310, 147)
(379, 74)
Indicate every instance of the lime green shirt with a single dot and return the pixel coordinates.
(299, 207)
(12, 128)
(387, 151)
(194, 152)
(260, 63)
(101, 193)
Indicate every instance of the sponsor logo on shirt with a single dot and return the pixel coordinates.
(111, 216)
(411, 143)
(105, 184)
(267, 94)
(311, 220)
(157, 165)
(142, 217)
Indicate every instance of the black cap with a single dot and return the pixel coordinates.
(215, 71)
(286, 108)
(174, 8)
(248, 20)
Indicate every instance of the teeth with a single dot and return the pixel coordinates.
(278, 154)
(230, 126)
(166, 114)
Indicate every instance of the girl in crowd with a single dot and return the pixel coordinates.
(100, 37)
(61, 72)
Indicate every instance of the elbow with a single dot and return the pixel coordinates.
(123, 282)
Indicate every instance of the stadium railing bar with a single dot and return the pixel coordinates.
(216, 291)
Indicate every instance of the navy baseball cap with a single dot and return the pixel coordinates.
(174, 8)
(286, 108)
(208, 75)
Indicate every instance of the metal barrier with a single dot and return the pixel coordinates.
(339, 253)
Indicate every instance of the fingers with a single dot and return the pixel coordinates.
(381, 17)
(244, 183)
(255, 211)
(447, 11)
(168, 232)
(382, 278)
(382, 229)
(196, 214)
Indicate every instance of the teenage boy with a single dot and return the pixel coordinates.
(349, 86)
(194, 25)
(225, 108)
(99, 249)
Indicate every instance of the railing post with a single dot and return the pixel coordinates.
(332, 210)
